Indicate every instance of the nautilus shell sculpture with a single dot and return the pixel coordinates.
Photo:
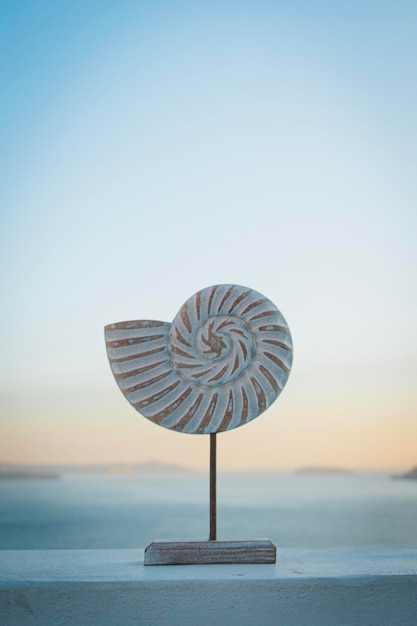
(224, 359)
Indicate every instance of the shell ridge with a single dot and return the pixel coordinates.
(195, 424)
(157, 403)
(149, 395)
(219, 410)
(178, 409)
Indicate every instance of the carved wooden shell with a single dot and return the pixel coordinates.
(224, 359)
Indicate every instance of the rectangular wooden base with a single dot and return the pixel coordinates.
(206, 552)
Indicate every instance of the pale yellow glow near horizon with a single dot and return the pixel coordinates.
(361, 431)
(347, 414)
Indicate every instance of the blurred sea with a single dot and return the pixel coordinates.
(130, 511)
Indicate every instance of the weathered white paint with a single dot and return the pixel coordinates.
(330, 587)
(209, 552)
(222, 362)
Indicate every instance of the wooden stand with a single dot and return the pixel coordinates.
(209, 552)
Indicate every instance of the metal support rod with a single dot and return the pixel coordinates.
(213, 515)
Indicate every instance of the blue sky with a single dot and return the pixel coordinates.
(153, 149)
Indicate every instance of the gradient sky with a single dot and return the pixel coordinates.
(150, 149)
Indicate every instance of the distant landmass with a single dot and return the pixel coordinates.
(411, 475)
(28, 472)
(322, 471)
(13, 474)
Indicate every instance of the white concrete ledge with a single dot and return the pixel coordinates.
(305, 587)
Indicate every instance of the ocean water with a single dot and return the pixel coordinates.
(130, 511)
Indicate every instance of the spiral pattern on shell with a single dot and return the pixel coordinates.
(224, 359)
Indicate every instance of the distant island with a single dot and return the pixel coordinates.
(10, 471)
(322, 471)
(411, 475)
(27, 475)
